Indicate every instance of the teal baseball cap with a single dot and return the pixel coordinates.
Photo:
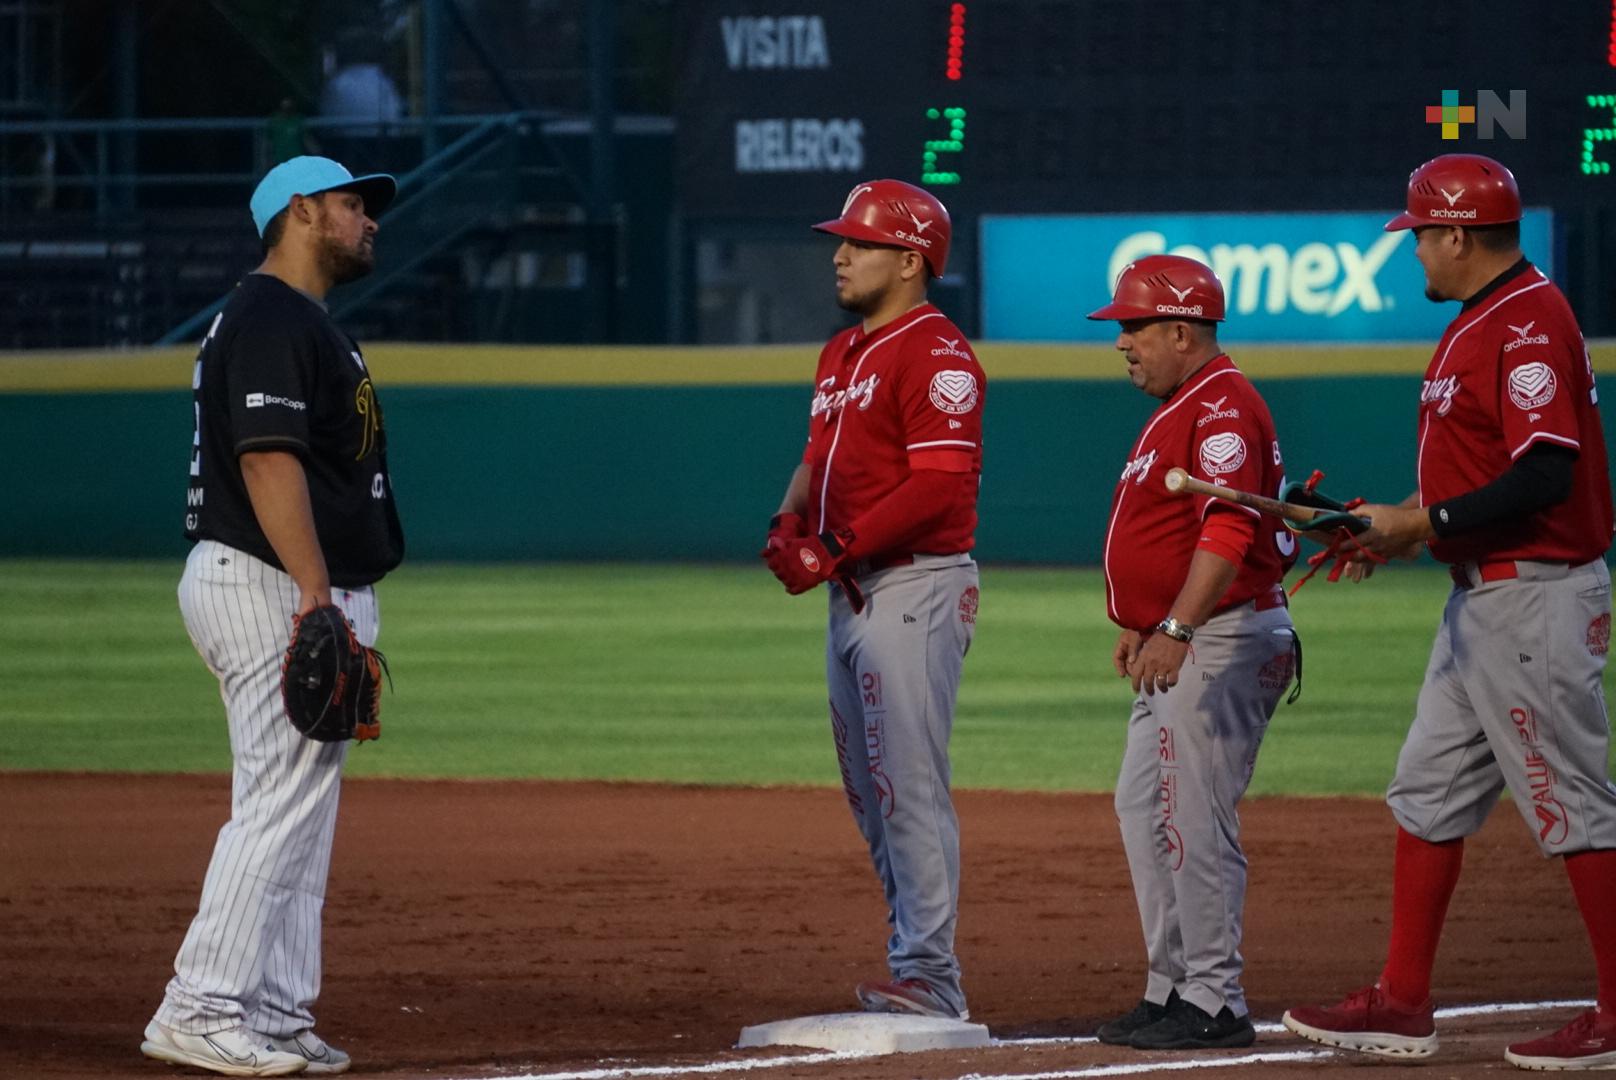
(310, 175)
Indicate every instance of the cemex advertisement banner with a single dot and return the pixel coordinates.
(1287, 277)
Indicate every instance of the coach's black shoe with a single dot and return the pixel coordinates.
(1186, 1027)
(1119, 1032)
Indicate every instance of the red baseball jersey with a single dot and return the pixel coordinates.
(905, 396)
(1513, 371)
(1215, 427)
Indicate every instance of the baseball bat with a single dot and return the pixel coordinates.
(1182, 483)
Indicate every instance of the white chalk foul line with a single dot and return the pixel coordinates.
(1142, 1067)
(1510, 1007)
(1451, 1012)
(627, 1072)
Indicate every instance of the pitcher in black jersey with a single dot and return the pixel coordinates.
(289, 506)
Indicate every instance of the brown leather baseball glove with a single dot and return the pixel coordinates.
(331, 684)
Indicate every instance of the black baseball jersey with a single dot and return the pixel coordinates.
(275, 373)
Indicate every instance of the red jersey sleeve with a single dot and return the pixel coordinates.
(941, 393)
(1228, 535)
(1542, 370)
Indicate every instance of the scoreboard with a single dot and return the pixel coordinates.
(1062, 105)
(783, 105)
(1017, 107)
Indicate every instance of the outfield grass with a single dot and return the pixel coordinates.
(678, 673)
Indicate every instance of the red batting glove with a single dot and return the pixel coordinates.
(806, 561)
(782, 528)
(1344, 549)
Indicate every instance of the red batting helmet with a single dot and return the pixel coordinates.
(898, 214)
(1165, 287)
(1459, 189)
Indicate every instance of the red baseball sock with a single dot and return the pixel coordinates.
(1423, 877)
(1593, 882)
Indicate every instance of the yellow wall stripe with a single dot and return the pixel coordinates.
(414, 364)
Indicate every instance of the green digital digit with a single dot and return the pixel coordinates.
(1596, 138)
(933, 170)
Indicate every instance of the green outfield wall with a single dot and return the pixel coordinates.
(651, 454)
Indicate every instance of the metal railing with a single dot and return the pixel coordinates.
(173, 189)
(478, 168)
(105, 165)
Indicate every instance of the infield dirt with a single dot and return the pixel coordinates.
(500, 928)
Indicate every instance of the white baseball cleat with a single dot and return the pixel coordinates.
(232, 1052)
(323, 1058)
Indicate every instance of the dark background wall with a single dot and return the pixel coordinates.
(1113, 106)
(651, 472)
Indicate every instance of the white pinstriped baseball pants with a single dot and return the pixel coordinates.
(252, 954)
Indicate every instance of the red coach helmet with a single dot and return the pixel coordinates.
(1165, 287)
(1459, 189)
(898, 214)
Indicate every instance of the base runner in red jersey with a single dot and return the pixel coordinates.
(1514, 494)
(1207, 643)
(883, 508)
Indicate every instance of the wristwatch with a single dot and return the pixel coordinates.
(1174, 629)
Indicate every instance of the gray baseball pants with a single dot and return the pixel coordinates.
(1189, 757)
(1513, 697)
(893, 672)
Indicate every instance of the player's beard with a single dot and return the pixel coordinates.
(862, 304)
(341, 263)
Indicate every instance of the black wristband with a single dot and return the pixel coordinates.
(836, 541)
(1538, 479)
